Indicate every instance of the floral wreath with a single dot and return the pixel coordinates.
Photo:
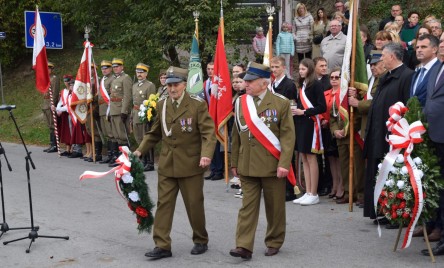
(130, 183)
(148, 109)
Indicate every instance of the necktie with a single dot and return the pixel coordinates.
(175, 105)
(440, 80)
(420, 77)
(256, 101)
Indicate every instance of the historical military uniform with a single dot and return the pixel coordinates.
(96, 120)
(46, 107)
(257, 167)
(120, 107)
(187, 135)
(105, 85)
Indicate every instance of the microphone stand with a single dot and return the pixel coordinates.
(4, 226)
(33, 235)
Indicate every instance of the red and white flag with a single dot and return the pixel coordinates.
(39, 59)
(221, 106)
(82, 93)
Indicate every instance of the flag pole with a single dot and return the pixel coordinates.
(355, 5)
(225, 125)
(93, 146)
(270, 11)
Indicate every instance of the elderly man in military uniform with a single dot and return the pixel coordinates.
(142, 90)
(120, 107)
(103, 101)
(186, 130)
(264, 127)
(47, 108)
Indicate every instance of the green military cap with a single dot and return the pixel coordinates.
(140, 67)
(256, 71)
(375, 56)
(105, 64)
(51, 65)
(117, 62)
(176, 74)
(162, 72)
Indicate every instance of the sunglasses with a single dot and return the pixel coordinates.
(66, 79)
(335, 77)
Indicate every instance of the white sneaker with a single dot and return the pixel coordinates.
(298, 201)
(235, 180)
(310, 200)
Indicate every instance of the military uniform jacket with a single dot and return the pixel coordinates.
(192, 137)
(55, 87)
(121, 95)
(141, 91)
(248, 155)
(103, 106)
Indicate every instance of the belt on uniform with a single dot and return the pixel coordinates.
(46, 97)
(116, 99)
(136, 107)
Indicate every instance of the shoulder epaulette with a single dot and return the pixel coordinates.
(195, 97)
(280, 96)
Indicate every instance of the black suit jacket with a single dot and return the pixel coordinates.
(392, 87)
(287, 88)
(434, 108)
(421, 88)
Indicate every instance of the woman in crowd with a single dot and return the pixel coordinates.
(319, 31)
(62, 113)
(162, 80)
(330, 146)
(340, 17)
(238, 68)
(302, 26)
(381, 39)
(410, 29)
(310, 105)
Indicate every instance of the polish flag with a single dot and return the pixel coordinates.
(39, 59)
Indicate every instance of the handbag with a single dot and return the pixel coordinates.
(317, 39)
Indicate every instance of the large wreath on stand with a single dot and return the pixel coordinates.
(130, 183)
(409, 177)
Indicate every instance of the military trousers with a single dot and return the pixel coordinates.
(191, 189)
(106, 128)
(139, 130)
(274, 199)
(47, 114)
(118, 129)
(358, 168)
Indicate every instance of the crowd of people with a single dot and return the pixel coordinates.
(277, 123)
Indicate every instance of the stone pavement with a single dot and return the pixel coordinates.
(103, 231)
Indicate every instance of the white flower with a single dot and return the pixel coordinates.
(404, 170)
(418, 173)
(140, 113)
(417, 160)
(400, 184)
(400, 158)
(127, 178)
(390, 183)
(380, 165)
(134, 196)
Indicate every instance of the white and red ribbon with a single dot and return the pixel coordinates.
(104, 94)
(123, 167)
(403, 136)
(316, 146)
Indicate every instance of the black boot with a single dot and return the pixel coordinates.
(147, 166)
(116, 154)
(110, 154)
(53, 148)
(50, 143)
(98, 149)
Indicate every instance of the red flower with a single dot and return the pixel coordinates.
(394, 207)
(141, 212)
(130, 206)
(391, 195)
(405, 215)
(394, 215)
(384, 193)
(400, 195)
(402, 205)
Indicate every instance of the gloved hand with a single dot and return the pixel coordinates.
(124, 117)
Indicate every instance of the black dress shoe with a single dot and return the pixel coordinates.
(217, 177)
(323, 192)
(209, 177)
(53, 149)
(75, 155)
(437, 250)
(148, 167)
(158, 253)
(46, 150)
(271, 251)
(199, 249)
(65, 153)
(241, 252)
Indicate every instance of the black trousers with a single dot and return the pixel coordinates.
(440, 153)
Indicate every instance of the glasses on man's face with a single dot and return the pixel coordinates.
(334, 77)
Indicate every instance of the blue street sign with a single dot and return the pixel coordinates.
(2, 35)
(52, 27)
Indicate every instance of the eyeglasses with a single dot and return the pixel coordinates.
(335, 25)
(334, 77)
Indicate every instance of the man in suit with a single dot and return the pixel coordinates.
(120, 106)
(186, 130)
(426, 49)
(47, 108)
(261, 113)
(287, 88)
(142, 90)
(434, 110)
(393, 87)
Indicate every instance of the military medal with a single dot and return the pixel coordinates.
(189, 121)
(262, 117)
(182, 123)
(275, 116)
(140, 92)
(268, 112)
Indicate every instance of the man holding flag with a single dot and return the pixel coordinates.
(48, 106)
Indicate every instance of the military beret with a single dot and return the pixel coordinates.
(50, 64)
(67, 77)
(105, 64)
(117, 62)
(176, 74)
(140, 67)
(256, 71)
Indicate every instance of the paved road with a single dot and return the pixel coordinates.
(103, 231)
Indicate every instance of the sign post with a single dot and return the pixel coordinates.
(52, 26)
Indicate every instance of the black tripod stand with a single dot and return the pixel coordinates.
(4, 225)
(33, 235)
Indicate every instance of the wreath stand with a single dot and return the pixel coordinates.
(429, 248)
